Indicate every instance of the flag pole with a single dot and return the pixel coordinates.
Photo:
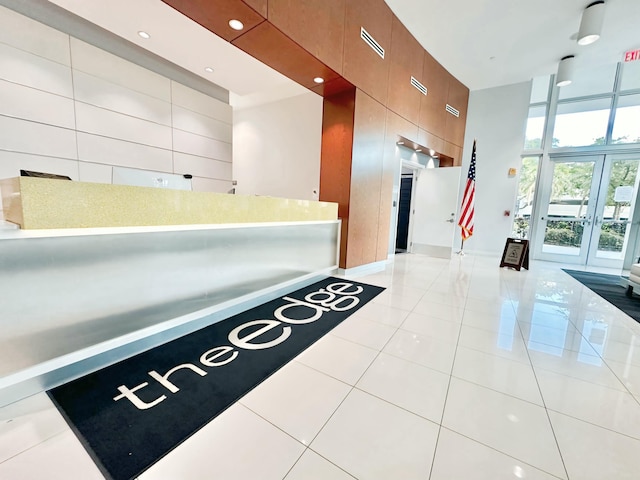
(467, 208)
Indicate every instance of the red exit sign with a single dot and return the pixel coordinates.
(632, 55)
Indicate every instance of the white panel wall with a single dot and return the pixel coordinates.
(279, 154)
(67, 107)
(497, 119)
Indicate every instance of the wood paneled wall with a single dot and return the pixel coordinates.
(369, 100)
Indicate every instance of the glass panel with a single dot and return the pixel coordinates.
(535, 128)
(580, 124)
(630, 75)
(540, 89)
(588, 80)
(617, 210)
(567, 207)
(524, 201)
(626, 128)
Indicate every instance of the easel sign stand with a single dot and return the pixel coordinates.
(516, 254)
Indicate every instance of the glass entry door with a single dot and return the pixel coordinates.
(587, 210)
(614, 211)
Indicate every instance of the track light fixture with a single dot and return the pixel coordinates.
(591, 23)
(565, 71)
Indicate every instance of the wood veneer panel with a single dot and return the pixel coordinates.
(335, 160)
(316, 25)
(328, 89)
(259, 6)
(366, 173)
(362, 66)
(453, 151)
(458, 98)
(269, 45)
(430, 140)
(214, 15)
(406, 60)
(432, 106)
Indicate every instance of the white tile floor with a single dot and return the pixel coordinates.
(459, 370)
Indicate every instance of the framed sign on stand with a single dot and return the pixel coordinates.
(516, 254)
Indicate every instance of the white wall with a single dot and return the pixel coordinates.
(67, 107)
(497, 119)
(277, 148)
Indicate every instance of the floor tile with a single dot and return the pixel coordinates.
(606, 407)
(431, 326)
(312, 466)
(364, 332)
(480, 462)
(452, 313)
(365, 401)
(583, 366)
(628, 373)
(500, 374)
(60, 457)
(555, 340)
(419, 389)
(372, 439)
(27, 423)
(297, 399)
(594, 453)
(427, 351)
(502, 308)
(382, 314)
(394, 300)
(512, 426)
(222, 448)
(341, 359)
(622, 352)
(490, 322)
(444, 298)
(507, 345)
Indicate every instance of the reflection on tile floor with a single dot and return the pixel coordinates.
(459, 370)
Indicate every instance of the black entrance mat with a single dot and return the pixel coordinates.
(132, 413)
(609, 288)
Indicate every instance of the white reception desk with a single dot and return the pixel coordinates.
(77, 299)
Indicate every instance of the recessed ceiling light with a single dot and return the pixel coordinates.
(208, 69)
(236, 24)
(432, 152)
(400, 143)
(318, 80)
(418, 150)
(144, 34)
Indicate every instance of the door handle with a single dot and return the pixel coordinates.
(449, 221)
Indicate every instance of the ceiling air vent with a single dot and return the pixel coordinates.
(452, 110)
(421, 88)
(368, 39)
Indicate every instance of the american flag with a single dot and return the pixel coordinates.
(468, 201)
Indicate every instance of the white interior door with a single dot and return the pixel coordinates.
(435, 204)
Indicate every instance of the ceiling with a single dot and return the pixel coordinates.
(488, 43)
(483, 43)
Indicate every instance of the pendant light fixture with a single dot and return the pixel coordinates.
(591, 23)
(565, 71)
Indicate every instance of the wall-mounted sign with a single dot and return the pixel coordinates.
(623, 193)
(632, 55)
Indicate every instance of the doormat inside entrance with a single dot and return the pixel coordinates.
(132, 413)
(609, 288)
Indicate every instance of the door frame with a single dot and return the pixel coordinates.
(593, 218)
(544, 196)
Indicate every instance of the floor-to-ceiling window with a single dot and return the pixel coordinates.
(579, 176)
